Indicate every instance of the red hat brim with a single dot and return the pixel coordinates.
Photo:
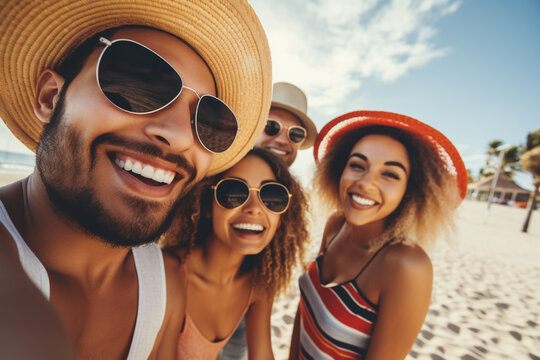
(335, 129)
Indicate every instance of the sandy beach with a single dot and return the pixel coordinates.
(486, 290)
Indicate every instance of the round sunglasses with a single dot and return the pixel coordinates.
(139, 81)
(231, 193)
(296, 134)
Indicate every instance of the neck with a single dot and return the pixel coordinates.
(361, 235)
(216, 262)
(61, 244)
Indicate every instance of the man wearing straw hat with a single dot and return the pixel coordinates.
(127, 104)
(287, 129)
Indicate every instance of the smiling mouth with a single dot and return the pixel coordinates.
(146, 173)
(247, 228)
(363, 201)
(278, 151)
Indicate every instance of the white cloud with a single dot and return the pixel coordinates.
(328, 47)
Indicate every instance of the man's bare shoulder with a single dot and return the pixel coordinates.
(12, 198)
(11, 195)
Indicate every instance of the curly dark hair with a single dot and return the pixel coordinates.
(271, 269)
(430, 198)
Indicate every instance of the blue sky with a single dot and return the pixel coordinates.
(470, 68)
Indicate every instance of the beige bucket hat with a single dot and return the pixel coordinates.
(289, 97)
(39, 34)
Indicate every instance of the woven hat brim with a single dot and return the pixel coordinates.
(335, 129)
(38, 34)
(307, 123)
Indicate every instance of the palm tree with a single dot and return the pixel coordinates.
(530, 161)
(510, 159)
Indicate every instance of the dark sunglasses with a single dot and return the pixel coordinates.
(231, 193)
(139, 81)
(297, 134)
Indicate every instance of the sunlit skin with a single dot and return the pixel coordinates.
(399, 279)
(91, 117)
(214, 268)
(255, 172)
(280, 145)
(373, 181)
(93, 285)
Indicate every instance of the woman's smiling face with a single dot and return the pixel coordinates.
(374, 180)
(250, 227)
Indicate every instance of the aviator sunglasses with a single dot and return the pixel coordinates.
(231, 193)
(139, 81)
(296, 134)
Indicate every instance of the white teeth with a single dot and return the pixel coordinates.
(137, 168)
(128, 165)
(362, 201)
(246, 226)
(147, 172)
(158, 175)
(278, 152)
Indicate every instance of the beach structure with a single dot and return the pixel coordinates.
(506, 191)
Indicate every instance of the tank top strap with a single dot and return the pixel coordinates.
(31, 264)
(373, 257)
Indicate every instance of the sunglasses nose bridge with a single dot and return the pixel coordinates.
(253, 203)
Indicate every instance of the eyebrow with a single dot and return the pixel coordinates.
(390, 163)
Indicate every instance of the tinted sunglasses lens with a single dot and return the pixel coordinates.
(231, 193)
(216, 124)
(297, 134)
(135, 79)
(272, 128)
(275, 197)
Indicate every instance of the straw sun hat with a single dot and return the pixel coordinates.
(39, 34)
(332, 132)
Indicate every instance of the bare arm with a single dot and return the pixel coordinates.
(30, 327)
(258, 328)
(403, 305)
(294, 350)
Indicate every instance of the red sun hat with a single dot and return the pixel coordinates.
(332, 132)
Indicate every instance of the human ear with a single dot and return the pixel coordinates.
(48, 88)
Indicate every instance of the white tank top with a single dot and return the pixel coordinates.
(152, 287)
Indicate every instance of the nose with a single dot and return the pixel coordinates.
(254, 204)
(366, 181)
(283, 137)
(171, 127)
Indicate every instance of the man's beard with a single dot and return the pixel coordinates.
(59, 159)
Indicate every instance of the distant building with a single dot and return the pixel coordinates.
(506, 191)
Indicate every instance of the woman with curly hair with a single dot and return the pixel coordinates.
(393, 183)
(248, 231)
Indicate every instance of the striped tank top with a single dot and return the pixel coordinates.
(336, 322)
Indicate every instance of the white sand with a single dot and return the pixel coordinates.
(486, 291)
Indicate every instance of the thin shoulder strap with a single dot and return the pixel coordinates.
(373, 257)
(152, 299)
